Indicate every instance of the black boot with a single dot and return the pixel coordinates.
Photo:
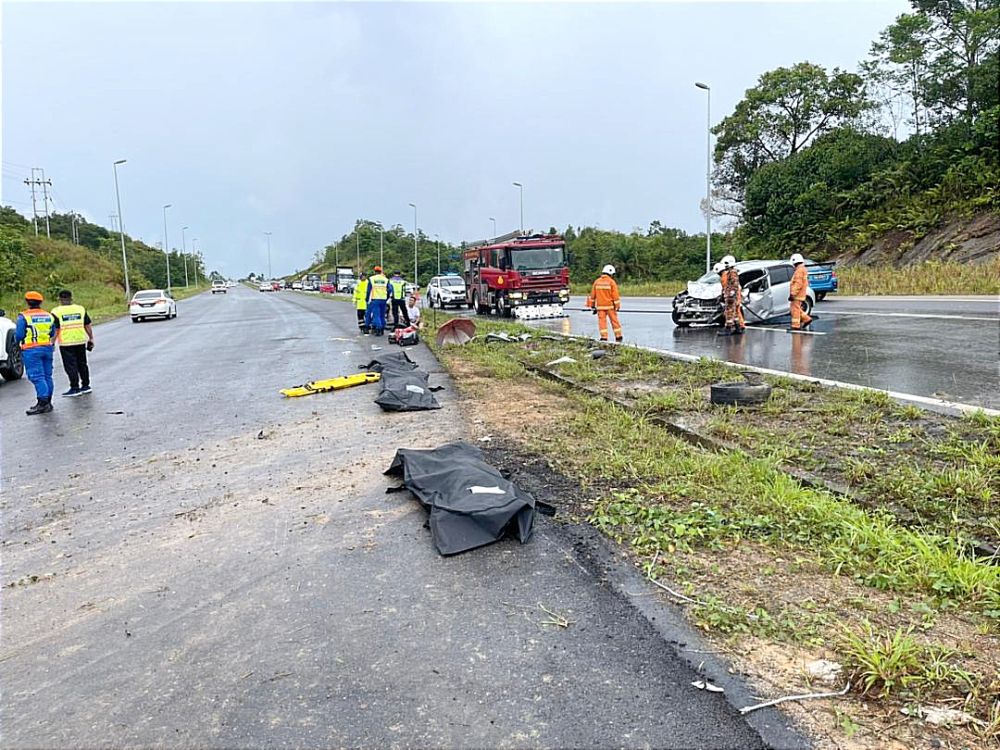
(46, 405)
(42, 406)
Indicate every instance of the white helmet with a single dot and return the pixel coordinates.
(718, 267)
(608, 269)
(728, 261)
(796, 259)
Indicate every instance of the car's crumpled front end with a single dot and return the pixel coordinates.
(699, 304)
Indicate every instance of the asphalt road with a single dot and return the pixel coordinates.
(191, 560)
(938, 347)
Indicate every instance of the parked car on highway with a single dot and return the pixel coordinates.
(11, 364)
(446, 290)
(327, 287)
(765, 295)
(822, 278)
(265, 286)
(297, 286)
(150, 303)
(219, 286)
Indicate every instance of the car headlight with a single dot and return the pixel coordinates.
(564, 292)
(516, 295)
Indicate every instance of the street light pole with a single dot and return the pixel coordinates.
(194, 251)
(414, 205)
(381, 246)
(708, 175)
(166, 243)
(520, 189)
(121, 231)
(357, 245)
(268, 255)
(184, 251)
(494, 228)
(437, 245)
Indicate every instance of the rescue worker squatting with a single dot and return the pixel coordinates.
(34, 332)
(76, 338)
(361, 301)
(605, 301)
(798, 290)
(378, 293)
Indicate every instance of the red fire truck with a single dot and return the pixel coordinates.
(521, 276)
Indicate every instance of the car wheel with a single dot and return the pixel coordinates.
(477, 306)
(13, 368)
(820, 296)
(740, 394)
(674, 316)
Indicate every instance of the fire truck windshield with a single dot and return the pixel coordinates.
(537, 258)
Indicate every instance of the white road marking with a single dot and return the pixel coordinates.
(784, 330)
(936, 316)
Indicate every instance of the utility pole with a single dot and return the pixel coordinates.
(46, 184)
(357, 243)
(73, 222)
(184, 253)
(268, 255)
(194, 252)
(381, 245)
(520, 189)
(437, 246)
(708, 173)
(166, 244)
(121, 230)
(415, 269)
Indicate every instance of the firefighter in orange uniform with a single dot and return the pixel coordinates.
(732, 296)
(605, 301)
(798, 290)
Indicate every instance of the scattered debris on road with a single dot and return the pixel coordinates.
(803, 697)
(706, 685)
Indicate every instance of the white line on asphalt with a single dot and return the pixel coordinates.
(915, 315)
(783, 330)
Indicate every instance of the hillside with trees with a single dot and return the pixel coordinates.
(91, 266)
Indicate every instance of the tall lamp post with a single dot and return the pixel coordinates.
(414, 206)
(437, 245)
(357, 246)
(268, 234)
(494, 228)
(184, 250)
(708, 175)
(121, 231)
(166, 244)
(381, 245)
(520, 189)
(194, 252)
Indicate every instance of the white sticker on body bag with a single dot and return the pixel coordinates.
(414, 389)
(479, 490)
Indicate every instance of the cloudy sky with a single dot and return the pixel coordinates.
(297, 118)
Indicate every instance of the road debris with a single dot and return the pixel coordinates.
(560, 361)
(456, 331)
(706, 685)
(331, 384)
(803, 697)
(825, 670)
(942, 717)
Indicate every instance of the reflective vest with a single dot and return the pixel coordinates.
(398, 288)
(361, 294)
(379, 286)
(39, 328)
(604, 294)
(71, 330)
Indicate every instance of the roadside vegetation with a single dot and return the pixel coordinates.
(888, 571)
(934, 277)
(92, 271)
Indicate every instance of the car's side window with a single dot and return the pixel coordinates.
(780, 274)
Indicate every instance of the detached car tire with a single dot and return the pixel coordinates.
(740, 394)
(13, 368)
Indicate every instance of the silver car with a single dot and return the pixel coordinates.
(765, 295)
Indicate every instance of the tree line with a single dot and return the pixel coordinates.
(147, 265)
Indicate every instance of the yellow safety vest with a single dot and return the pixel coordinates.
(39, 330)
(398, 287)
(361, 294)
(71, 330)
(380, 286)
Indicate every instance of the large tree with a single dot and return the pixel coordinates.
(782, 114)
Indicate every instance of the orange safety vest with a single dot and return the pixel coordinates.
(604, 294)
(39, 328)
(799, 286)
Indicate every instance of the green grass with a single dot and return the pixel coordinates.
(636, 288)
(932, 277)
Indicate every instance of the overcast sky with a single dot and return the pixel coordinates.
(297, 118)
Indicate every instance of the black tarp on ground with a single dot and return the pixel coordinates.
(469, 501)
(390, 361)
(405, 391)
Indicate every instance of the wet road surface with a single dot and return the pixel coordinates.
(192, 561)
(939, 347)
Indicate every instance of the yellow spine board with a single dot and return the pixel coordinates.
(332, 384)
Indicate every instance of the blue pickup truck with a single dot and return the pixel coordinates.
(822, 278)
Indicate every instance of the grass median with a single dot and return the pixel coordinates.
(886, 573)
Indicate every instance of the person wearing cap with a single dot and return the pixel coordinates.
(34, 332)
(397, 298)
(75, 337)
(378, 293)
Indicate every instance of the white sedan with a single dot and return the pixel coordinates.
(150, 303)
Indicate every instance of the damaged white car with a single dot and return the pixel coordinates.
(765, 286)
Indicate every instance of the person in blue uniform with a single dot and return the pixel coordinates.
(35, 333)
